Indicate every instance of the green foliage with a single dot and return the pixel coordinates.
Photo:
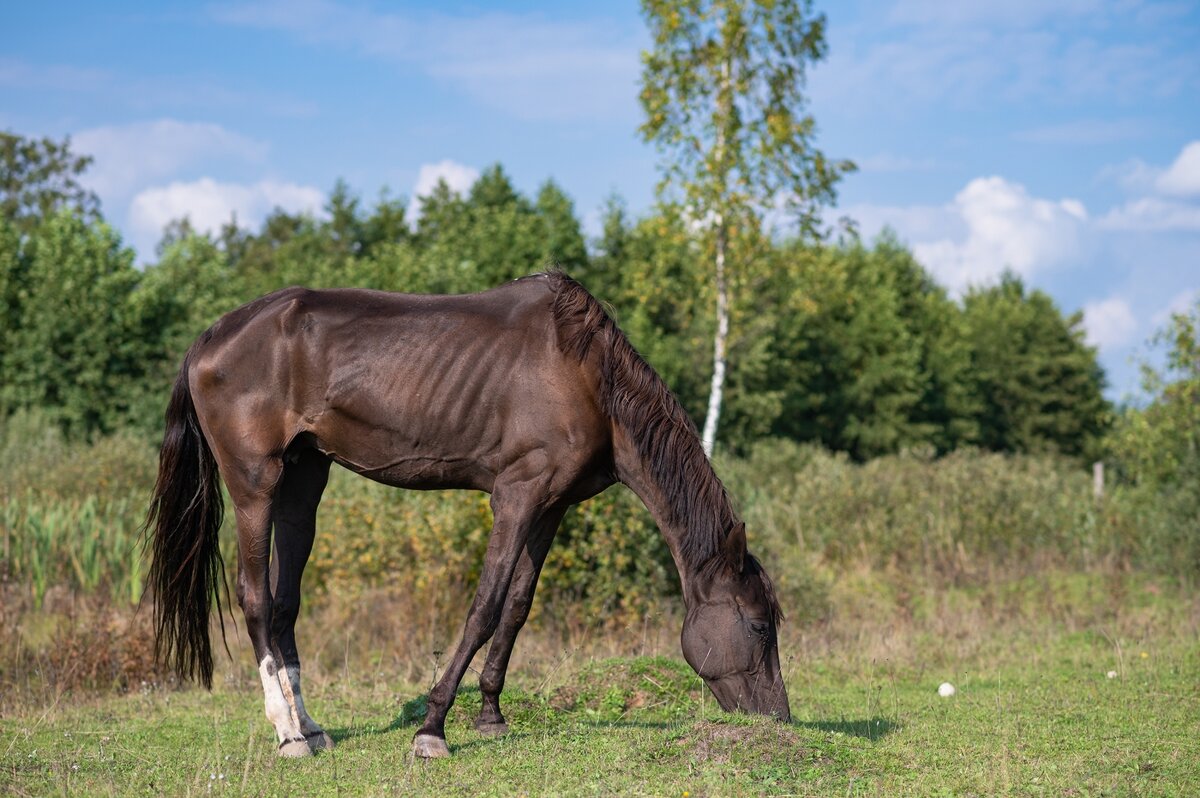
(75, 343)
(722, 89)
(723, 94)
(1157, 451)
(1038, 383)
(609, 565)
(38, 178)
(851, 346)
(954, 520)
(70, 511)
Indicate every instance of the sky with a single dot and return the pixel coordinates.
(1060, 140)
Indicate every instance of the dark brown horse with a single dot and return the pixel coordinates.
(528, 391)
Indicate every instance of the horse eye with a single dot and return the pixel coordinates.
(760, 628)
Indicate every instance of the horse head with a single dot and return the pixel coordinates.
(729, 634)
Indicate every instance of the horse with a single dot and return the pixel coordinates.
(528, 391)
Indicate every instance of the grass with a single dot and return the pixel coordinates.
(1001, 575)
(1035, 714)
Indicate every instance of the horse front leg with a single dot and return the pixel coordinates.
(513, 518)
(516, 612)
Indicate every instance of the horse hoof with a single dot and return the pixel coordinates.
(293, 749)
(319, 741)
(426, 746)
(491, 728)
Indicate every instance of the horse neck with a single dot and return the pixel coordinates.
(664, 501)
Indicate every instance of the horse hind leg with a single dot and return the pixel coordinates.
(516, 611)
(251, 489)
(294, 516)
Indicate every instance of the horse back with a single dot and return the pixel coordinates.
(413, 390)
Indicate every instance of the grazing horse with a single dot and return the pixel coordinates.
(528, 391)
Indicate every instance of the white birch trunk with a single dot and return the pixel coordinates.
(717, 389)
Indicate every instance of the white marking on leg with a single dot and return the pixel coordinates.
(290, 682)
(277, 707)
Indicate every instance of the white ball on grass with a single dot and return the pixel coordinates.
(945, 690)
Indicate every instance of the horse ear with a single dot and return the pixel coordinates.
(735, 547)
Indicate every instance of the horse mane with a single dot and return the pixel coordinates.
(634, 396)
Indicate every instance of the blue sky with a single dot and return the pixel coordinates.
(1060, 139)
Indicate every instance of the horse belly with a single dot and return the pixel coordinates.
(445, 401)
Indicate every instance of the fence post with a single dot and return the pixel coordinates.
(1098, 480)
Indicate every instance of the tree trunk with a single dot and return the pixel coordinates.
(716, 391)
(724, 121)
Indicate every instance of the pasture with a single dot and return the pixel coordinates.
(999, 574)
(1035, 714)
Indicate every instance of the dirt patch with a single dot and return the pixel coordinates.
(653, 688)
(723, 743)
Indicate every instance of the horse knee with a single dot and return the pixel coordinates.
(491, 684)
(255, 609)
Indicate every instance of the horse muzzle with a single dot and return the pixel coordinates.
(751, 693)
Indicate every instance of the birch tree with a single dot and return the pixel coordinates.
(723, 93)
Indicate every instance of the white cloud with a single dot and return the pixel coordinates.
(1182, 178)
(522, 64)
(1109, 322)
(458, 177)
(991, 225)
(1167, 195)
(1152, 214)
(1183, 302)
(208, 204)
(127, 157)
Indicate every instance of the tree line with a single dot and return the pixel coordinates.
(846, 343)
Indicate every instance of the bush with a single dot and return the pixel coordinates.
(951, 520)
(71, 512)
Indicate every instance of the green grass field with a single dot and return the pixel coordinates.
(1001, 575)
(1035, 714)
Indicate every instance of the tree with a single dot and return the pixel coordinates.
(495, 234)
(722, 90)
(847, 361)
(37, 178)
(564, 240)
(1038, 385)
(1156, 449)
(1159, 444)
(75, 351)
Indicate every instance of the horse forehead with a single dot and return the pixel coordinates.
(750, 591)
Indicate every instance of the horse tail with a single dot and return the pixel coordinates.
(181, 527)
